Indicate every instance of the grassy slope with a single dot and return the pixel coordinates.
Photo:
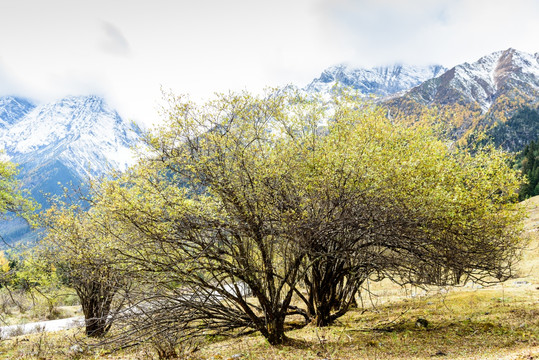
(499, 322)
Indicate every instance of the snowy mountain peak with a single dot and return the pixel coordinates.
(380, 81)
(82, 131)
(61, 143)
(12, 109)
(484, 80)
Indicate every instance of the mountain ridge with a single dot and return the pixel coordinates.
(83, 124)
(482, 81)
(67, 141)
(379, 81)
(12, 109)
(80, 137)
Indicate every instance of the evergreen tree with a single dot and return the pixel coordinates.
(517, 131)
(529, 163)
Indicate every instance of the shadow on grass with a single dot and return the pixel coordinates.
(299, 344)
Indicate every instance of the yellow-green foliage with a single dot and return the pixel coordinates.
(264, 189)
(4, 263)
(12, 198)
(245, 187)
(269, 189)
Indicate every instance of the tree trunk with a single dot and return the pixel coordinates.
(275, 331)
(95, 302)
(95, 327)
(323, 315)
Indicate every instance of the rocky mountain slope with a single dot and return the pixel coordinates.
(478, 96)
(484, 81)
(12, 109)
(63, 142)
(78, 137)
(380, 81)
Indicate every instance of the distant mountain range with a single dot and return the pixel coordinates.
(486, 95)
(61, 143)
(483, 82)
(379, 81)
(77, 137)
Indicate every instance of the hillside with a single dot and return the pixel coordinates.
(79, 137)
(470, 322)
(64, 142)
(529, 266)
(483, 95)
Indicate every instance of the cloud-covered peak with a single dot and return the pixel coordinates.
(381, 81)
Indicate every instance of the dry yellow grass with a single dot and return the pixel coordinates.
(529, 266)
(498, 322)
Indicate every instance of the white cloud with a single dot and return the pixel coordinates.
(7, 85)
(113, 41)
(126, 50)
(426, 31)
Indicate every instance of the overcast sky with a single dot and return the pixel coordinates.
(127, 50)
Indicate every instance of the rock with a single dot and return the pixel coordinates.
(421, 323)
(236, 356)
(76, 349)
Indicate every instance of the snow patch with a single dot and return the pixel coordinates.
(81, 131)
(380, 81)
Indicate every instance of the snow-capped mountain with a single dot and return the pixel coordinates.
(63, 142)
(12, 109)
(485, 95)
(78, 137)
(83, 132)
(380, 81)
(483, 81)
